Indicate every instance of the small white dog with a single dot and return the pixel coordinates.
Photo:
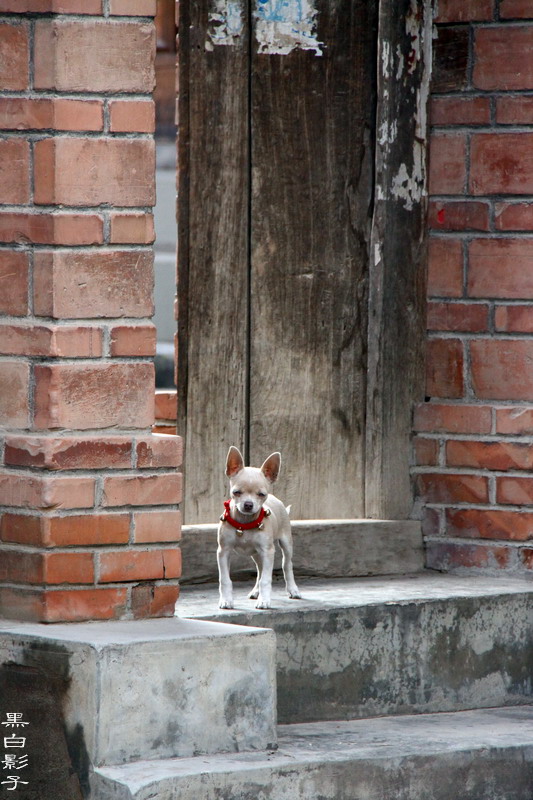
(252, 522)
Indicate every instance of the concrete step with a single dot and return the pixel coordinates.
(362, 547)
(399, 645)
(154, 688)
(474, 755)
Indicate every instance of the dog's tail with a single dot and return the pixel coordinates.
(288, 509)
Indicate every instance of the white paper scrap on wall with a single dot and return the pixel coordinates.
(226, 23)
(282, 26)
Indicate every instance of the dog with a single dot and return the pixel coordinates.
(252, 522)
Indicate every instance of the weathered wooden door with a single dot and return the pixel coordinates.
(278, 106)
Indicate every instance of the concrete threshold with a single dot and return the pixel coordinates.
(472, 755)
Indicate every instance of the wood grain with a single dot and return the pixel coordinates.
(397, 299)
(213, 190)
(312, 164)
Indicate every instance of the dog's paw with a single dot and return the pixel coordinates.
(253, 595)
(262, 604)
(294, 594)
(226, 604)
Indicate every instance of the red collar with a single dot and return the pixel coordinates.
(243, 526)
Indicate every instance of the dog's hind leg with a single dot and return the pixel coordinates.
(285, 542)
(265, 558)
(254, 594)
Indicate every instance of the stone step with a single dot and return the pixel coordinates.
(361, 547)
(471, 755)
(153, 688)
(376, 646)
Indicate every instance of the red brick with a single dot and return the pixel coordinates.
(21, 567)
(21, 528)
(132, 228)
(68, 568)
(88, 172)
(514, 319)
(451, 488)
(514, 216)
(14, 57)
(452, 555)
(518, 9)
(460, 110)
(166, 404)
(133, 8)
(430, 521)
(21, 113)
(132, 116)
(172, 563)
(151, 600)
(500, 369)
(503, 58)
(447, 163)
(465, 10)
(460, 216)
(94, 56)
(501, 456)
(13, 283)
(445, 268)
(80, 605)
(51, 6)
(526, 557)
(514, 110)
(142, 490)
(514, 491)
(32, 491)
(15, 170)
(514, 420)
(426, 452)
(68, 452)
(50, 340)
(457, 316)
(155, 451)
(444, 373)
(56, 228)
(94, 396)
(22, 604)
(131, 565)
(441, 418)
(75, 530)
(157, 526)
(133, 340)
(502, 163)
(490, 524)
(15, 383)
(101, 283)
(501, 268)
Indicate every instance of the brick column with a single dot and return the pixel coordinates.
(474, 448)
(88, 495)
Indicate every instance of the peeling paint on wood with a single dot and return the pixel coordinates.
(226, 24)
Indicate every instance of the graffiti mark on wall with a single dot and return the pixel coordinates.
(281, 26)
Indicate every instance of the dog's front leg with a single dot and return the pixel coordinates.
(266, 561)
(225, 585)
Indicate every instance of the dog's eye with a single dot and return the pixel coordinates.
(237, 493)
(261, 494)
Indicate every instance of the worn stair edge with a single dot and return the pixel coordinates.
(371, 646)
(474, 755)
(322, 548)
(154, 688)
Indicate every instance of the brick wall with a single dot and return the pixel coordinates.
(474, 443)
(88, 495)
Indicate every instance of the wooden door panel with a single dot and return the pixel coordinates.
(312, 183)
(213, 226)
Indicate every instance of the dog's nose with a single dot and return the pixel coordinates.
(248, 505)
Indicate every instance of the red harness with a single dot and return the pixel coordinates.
(240, 527)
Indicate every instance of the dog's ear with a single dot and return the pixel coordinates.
(234, 462)
(270, 468)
